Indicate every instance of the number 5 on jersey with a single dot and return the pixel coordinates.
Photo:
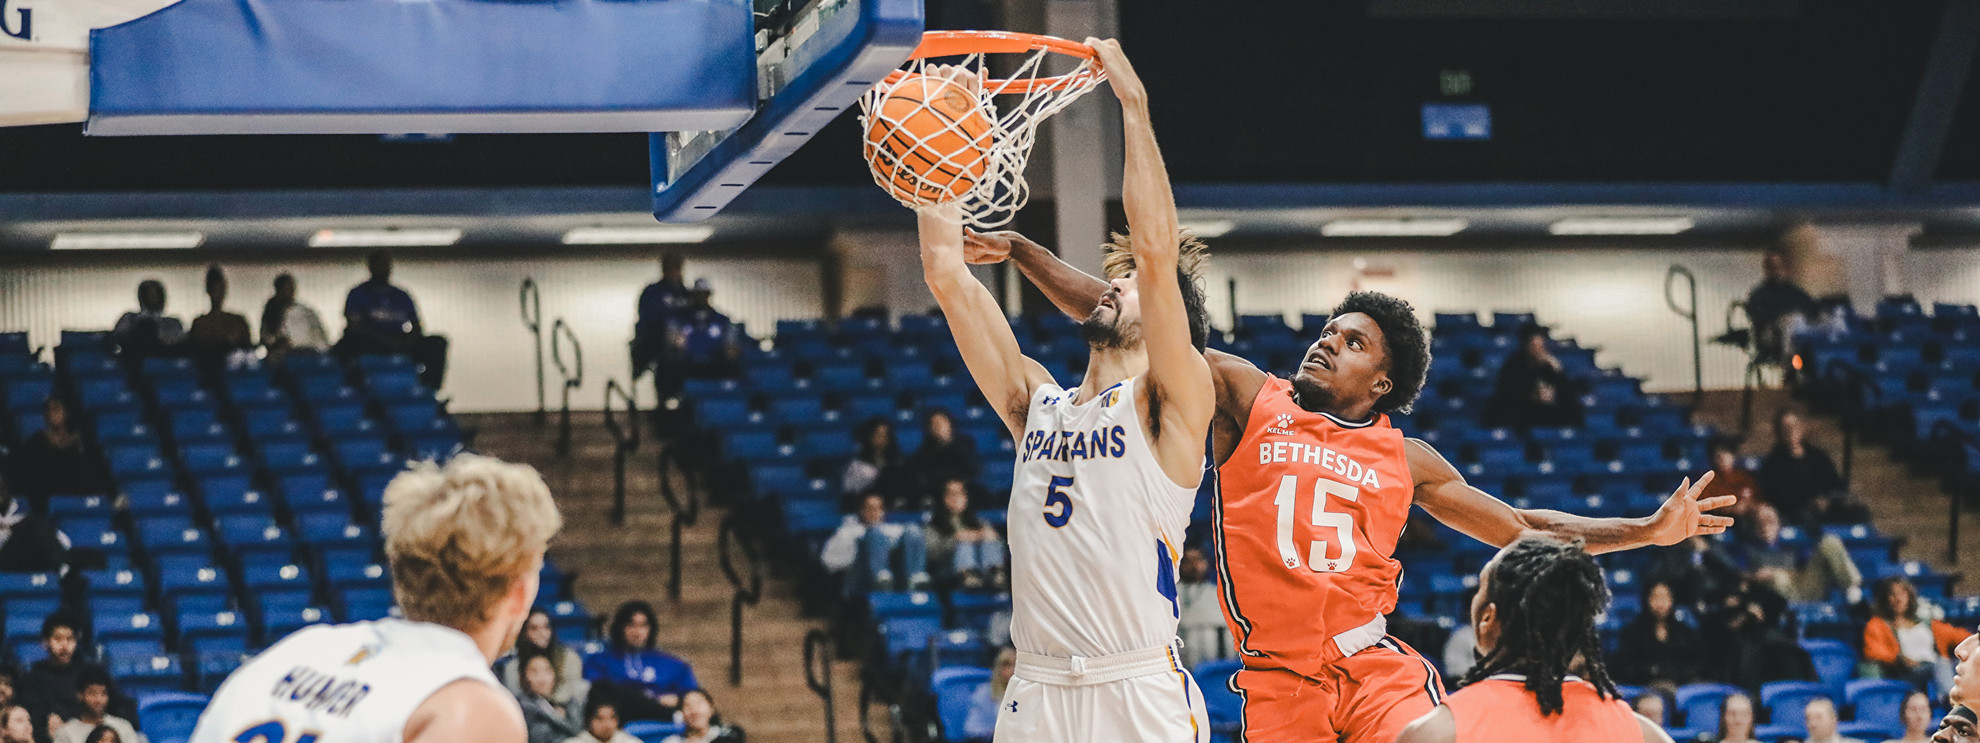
(1341, 523)
(1058, 503)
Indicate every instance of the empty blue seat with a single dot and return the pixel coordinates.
(137, 626)
(169, 717)
(66, 507)
(29, 585)
(886, 605)
(903, 635)
(1700, 702)
(155, 498)
(344, 421)
(132, 461)
(360, 604)
(342, 574)
(277, 622)
(252, 534)
(832, 443)
(330, 527)
(1784, 701)
(321, 391)
(798, 411)
(312, 491)
(367, 455)
(1878, 701)
(115, 583)
(1834, 660)
(146, 675)
(955, 690)
(217, 624)
(173, 395)
(838, 377)
(97, 395)
(1224, 707)
(283, 457)
(205, 460)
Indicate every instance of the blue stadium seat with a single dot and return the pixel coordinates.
(862, 407)
(96, 396)
(115, 583)
(277, 623)
(653, 731)
(955, 688)
(176, 394)
(902, 635)
(312, 492)
(345, 421)
(343, 574)
(253, 534)
(830, 443)
(198, 425)
(727, 413)
(128, 604)
(169, 717)
(131, 461)
(143, 675)
(29, 585)
(172, 535)
(886, 606)
(114, 429)
(155, 498)
(798, 411)
(1784, 701)
(143, 626)
(65, 508)
(192, 575)
(1834, 660)
(234, 495)
(206, 460)
(368, 455)
(839, 377)
(569, 619)
(330, 528)
(1877, 701)
(360, 604)
(1224, 706)
(1700, 702)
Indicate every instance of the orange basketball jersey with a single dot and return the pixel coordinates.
(1500, 708)
(1308, 511)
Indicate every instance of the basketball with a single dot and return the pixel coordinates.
(925, 140)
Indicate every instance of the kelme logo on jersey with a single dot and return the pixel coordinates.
(1282, 426)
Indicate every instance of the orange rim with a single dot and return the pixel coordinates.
(960, 43)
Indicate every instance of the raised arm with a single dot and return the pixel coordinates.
(1070, 289)
(1180, 397)
(1443, 493)
(982, 334)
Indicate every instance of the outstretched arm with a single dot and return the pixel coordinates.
(1070, 289)
(982, 333)
(1443, 493)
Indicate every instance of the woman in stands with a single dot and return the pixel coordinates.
(1916, 714)
(55, 460)
(548, 720)
(104, 734)
(1656, 649)
(1735, 720)
(703, 723)
(877, 466)
(963, 551)
(646, 684)
(945, 454)
(16, 725)
(539, 638)
(1904, 641)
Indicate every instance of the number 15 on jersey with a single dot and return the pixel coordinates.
(1341, 524)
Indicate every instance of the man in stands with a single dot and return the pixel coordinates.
(1800, 480)
(218, 335)
(1533, 388)
(659, 304)
(1777, 307)
(863, 551)
(49, 688)
(93, 694)
(1795, 573)
(381, 318)
(149, 330)
(1820, 718)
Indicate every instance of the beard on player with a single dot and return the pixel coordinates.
(1107, 328)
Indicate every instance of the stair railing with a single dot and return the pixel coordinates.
(818, 676)
(747, 591)
(573, 375)
(1690, 313)
(1953, 436)
(625, 440)
(1860, 389)
(532, 317)
(685, 513)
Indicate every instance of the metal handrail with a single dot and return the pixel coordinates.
(1689, 312)
(1946, 429)
(1751, 379)
(818, 647)
(1864, 389)
(532, 317)
(685, 514)
(625, 441)
(747, 592)
(572, 379)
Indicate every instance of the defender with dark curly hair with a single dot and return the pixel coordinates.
(1314, 487)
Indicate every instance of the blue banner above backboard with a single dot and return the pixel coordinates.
(1457, 121)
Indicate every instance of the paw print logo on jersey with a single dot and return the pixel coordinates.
(1282, 426)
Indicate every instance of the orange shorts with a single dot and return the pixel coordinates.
(1368, 697)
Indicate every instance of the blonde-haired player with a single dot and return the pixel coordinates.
(465, 542)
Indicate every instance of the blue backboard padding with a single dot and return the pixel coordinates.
(453, 66)
(847, 55)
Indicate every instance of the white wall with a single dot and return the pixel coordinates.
(1944, 275)
(472, 301)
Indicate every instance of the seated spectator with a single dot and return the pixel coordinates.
(865, 550)
(1656, 649)
(1916, 714)
(945, 454)
(1800, 480)
(540, 638)
(17, 725)
(1200, 621)
(601, 722)
(1731, 479)
(962, 550)
(1533, 389)
(1820, 717)
(643, 683)
(381, 318)
(1694, 569)
(877, 466)
(1904, 641)
(29, 543)
(982, 719)
(1651, 707)
(105, 734)
(548, 719)
(288, 325)
(219, 334)
(149, 331)
(703, 724)
(1777, 308)
(93, 696)
(1735, 721)
(1796, 574)
(49, 687)
(1748, 641)
(55, 461)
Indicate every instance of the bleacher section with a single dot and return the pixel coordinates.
(784, 431)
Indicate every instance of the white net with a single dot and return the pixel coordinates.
(934, 135)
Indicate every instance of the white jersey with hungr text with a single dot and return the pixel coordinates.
(347, 683)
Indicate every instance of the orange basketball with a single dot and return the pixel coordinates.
(926, 140)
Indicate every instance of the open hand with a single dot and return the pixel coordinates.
(1684, 516)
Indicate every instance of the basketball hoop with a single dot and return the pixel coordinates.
(929, 141)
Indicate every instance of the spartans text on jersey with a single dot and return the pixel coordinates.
(1067, 446)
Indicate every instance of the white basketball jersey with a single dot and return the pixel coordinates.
(1095, 529)
(347, 683)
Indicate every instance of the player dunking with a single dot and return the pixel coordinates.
(1314, 489)
(1540, 678)
(1106, 471)
(465, 542)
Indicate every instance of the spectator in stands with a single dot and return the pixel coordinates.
(1820, 716)
(963, 551)
(1651, 707)
(17, 725)
(1904, 641)
(104, 734)
(705, 339)
(29, 543)
(539, 637)
(288, 325)
(1200, 618)
(93, 696)
(55, 461)
(1748, 641)
(1533, 388)
(49, 688)
(548, 719)
(1800, 480)
(149, 330)
(1695, 569)
(381, 318)
(1461, 648)
(703, 724)
(1777, 308)
(877, 466)
(659, 304)
(1729, 478)
(1794, 573)
(601, 721)
(1916, 714)
(1656, 649)
(867, 547)
(945, 454)
(1735, 720)
(219, 335)
(645, 683)
(982, 719)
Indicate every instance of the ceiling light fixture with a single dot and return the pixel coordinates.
(126, 240)
(640, 235)
(390, 237)
(1435, 227)
(1209, 228)
(1621, 226)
